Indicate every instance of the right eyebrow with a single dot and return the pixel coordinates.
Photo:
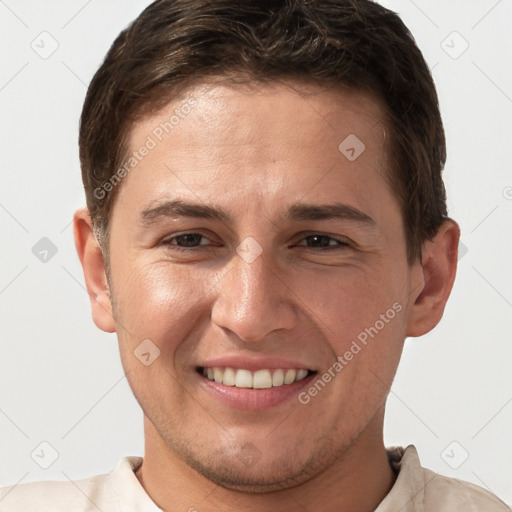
(182, 209)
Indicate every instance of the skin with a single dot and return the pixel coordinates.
(254, 151)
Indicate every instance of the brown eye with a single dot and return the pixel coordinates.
(318, 241)
(188, 239)
(185, 241)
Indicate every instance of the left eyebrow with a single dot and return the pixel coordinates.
(339, 211)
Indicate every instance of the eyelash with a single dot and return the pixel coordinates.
(167, 242)
(341, 244)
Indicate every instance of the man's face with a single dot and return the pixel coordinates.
(272, 286)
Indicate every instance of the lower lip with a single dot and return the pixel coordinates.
(254, 399)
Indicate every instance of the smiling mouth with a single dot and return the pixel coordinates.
(260, 379)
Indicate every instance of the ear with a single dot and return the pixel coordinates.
(433, 279)
(93, 265)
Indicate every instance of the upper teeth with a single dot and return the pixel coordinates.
(259, 380)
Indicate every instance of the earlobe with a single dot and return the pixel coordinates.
(93, 265)
(436, 273)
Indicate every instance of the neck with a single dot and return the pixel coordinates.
(358, 480)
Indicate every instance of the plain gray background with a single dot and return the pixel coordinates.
(61, 380)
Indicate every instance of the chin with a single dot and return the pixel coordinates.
(267, 477)
(250, 471)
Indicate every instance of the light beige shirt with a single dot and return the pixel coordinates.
(416, 490)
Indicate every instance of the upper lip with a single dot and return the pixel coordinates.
(253, 364)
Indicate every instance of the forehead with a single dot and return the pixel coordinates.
(274, 141)
(239, 111)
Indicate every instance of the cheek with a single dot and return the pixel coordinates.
(362, 318)
(350, 302)
(160, 301)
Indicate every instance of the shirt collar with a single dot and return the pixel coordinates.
(130, 493)
(407, 494)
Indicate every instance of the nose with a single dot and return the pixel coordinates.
(254, 299)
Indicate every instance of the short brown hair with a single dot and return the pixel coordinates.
(342, 43)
